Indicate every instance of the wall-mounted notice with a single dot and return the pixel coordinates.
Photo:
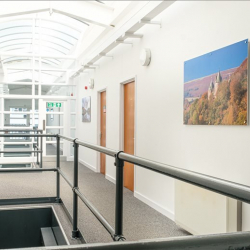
(215, 87)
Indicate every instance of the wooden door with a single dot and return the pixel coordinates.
(129, 133)
(103, 131)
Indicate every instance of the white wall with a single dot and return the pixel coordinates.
(189, 29)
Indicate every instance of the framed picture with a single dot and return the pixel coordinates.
(216, 87)
(86, 109)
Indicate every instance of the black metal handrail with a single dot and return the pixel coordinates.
(100, 149)
(231, 189)
(227, 188)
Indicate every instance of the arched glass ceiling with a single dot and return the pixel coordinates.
(38, 34)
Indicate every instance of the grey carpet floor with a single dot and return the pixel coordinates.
(51, 149)
(140, 220)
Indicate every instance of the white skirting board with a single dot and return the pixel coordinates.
(87, 165)
(110, 178)
(202, 212)
(154, 205)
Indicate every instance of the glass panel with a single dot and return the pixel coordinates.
(48, 76)
(12, 60)
(56, 44)
(54, 120)
(20, 74)
(17, 120)
(72, 105)
(53, 131)
(58, 90)
(21, 105)
(36, 120)
(15, 89)
(56, 62)
(18, 139)
(51, 61)
(71, 149)
(73, 133)
(60, 27)
(51, 149)
(36, 105)
(72, 120)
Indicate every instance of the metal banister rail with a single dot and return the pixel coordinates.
(116, 234)
(227, 188)
(96, 213)
(231, 189)
(100, 149)
(220, 241)
(66, 138)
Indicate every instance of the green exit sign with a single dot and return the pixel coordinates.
(54, 104)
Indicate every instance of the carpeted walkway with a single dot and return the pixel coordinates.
(140, 220)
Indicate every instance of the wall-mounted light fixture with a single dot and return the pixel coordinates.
(145, 57)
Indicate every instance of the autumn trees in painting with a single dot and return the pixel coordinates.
(223, 103)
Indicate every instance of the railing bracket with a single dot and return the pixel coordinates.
(119, 238)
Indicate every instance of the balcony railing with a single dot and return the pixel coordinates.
(240, 240)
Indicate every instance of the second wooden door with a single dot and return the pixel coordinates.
(129, 134)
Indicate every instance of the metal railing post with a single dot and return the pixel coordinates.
(75, 232)
(119, 200)
(41, 154)
(58, 167)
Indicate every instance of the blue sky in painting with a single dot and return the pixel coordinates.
(226, 58)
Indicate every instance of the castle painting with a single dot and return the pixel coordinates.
(215, 87)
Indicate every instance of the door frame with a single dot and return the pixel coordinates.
(98, 155)
(121, 118)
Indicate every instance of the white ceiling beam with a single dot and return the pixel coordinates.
(80, 10)
(148, 11)
(131, 35)
(123, 42)
(85, 12)
(92, 65)
(105, 55)
(88, 67)
(17, 8)
(150, 22)
(100, 5)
